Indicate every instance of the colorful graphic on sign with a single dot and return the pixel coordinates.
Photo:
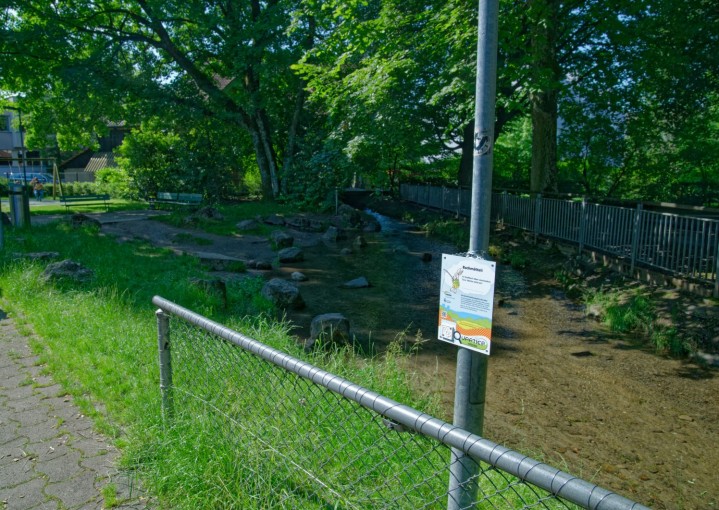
(466, 301)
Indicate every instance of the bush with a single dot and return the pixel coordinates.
(115, 182)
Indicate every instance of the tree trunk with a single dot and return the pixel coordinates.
(265, 136)
(289, 156)
(543, 174)
(547, 77)
(262, 163)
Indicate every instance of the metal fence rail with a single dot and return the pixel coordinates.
(316, 440)
(680, 245)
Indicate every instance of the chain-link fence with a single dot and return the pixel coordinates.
(306, 438)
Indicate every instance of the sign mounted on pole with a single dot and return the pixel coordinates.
(466, 301)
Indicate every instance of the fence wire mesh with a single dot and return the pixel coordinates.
(318, 441)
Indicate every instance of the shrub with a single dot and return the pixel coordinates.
(116, 182)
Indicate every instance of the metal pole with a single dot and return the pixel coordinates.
(716, 271)
(471, 379)
(636, 231)
(582, 224)
(163, 344)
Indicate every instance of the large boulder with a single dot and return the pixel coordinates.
(210, 213)
(329, 328)
(283, 294)
(349, 216)
(282, 239)
(291, 255)
(274, 219)
(67, 270)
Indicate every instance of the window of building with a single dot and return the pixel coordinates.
(4, 123)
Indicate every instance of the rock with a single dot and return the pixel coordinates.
(282, 239)
(357, 283)
(283, 294)
(349, 217)
(67, 270)
(333, 234)
(246, 225)
(359, 242)
(82, 220)
(215, 286)
(297, 222)
(345, 251)
(291, 255)
(298, 277)
(210, 213)
(316, 226)
(273, 219)
(263, 265)
(329, 328)
(594, 311)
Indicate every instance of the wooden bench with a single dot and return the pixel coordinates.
(85, 200)
(165, 197)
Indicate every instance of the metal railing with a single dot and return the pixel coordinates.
(685, 246)
(317, 440)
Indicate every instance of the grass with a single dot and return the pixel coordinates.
(49, 206)
(630, 312)
(99, 341)
(232, 214)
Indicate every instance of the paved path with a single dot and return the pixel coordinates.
(50, 456)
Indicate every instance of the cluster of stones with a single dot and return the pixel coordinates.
(331, 328)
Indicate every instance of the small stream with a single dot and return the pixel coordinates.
(403, 299)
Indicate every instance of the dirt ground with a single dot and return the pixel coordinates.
(561, 388)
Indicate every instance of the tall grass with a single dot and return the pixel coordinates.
(99, 340)
(631, 312)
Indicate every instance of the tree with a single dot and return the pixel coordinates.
(120, 59)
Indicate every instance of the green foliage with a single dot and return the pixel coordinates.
(115, 182)
(99, 340)
(513, 155)
(80, 188)
(150, 157)
(632, 313)
(451, 230)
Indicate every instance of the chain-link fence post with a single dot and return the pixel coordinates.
(163, 344)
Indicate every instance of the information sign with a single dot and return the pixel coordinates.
(466, 301)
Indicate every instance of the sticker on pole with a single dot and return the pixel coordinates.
(465, 303)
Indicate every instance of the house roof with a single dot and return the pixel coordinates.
(100, 160)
